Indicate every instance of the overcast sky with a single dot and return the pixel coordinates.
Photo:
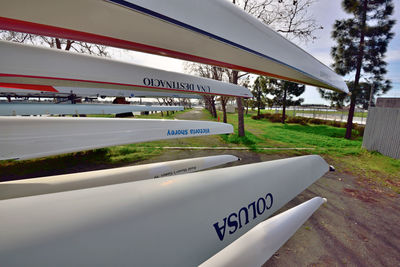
(325, 12)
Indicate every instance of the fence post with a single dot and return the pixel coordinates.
(362, 116)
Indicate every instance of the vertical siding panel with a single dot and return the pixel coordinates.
(397, 136)
(382, 131)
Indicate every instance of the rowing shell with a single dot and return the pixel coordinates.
(259, 244)
(181, 220)
(74, 181)
(12, 109)
(213, 32)
(22, 90)
(32, 137)
(23, 65)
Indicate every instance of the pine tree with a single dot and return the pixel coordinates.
(284, 93)
(259, 89)
(361, 46)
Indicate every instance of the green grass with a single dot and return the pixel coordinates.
(373, 167)
(325, 140)
(76, 162)
(92, 159)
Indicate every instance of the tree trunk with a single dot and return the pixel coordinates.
(210, 105)
(225, 120)
(224, 101)
(360, 56)
(240, 116)
(239, 106)
(213, 109)
(69, 44)
(284, 106)
(58, 43)
(349, 125)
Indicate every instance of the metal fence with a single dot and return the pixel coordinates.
(324, 113)
(382, 132)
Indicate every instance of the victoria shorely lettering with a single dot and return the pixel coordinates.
(176, 85)
(187, 131)
(236, 220)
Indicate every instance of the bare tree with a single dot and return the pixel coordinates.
(64, 44)
(288, 17)
(68, 45)
(167, 101)
(211, 72)
(224, 100)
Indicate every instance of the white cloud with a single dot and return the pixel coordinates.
(148, 60)
(324, 57)
(392, 55)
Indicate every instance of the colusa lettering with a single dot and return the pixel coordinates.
(176, 85)
(246, 214)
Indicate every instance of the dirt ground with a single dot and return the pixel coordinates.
(358, 226)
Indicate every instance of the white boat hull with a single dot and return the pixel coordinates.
(259, 244)
(26, 90)
(12, 109)
(75, 181)
(213, 32)
(33, 137)
(23, 65)
(174, 221)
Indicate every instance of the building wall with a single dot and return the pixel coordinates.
(382, 132)
(388, 102)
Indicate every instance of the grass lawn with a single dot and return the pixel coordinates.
(327, 141)
(320, 139)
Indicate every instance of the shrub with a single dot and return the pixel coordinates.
(335, 124)
(316, 121)
(276, 118)
(299, 120)
(266, 115)
(359, 128)
(261, 116)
